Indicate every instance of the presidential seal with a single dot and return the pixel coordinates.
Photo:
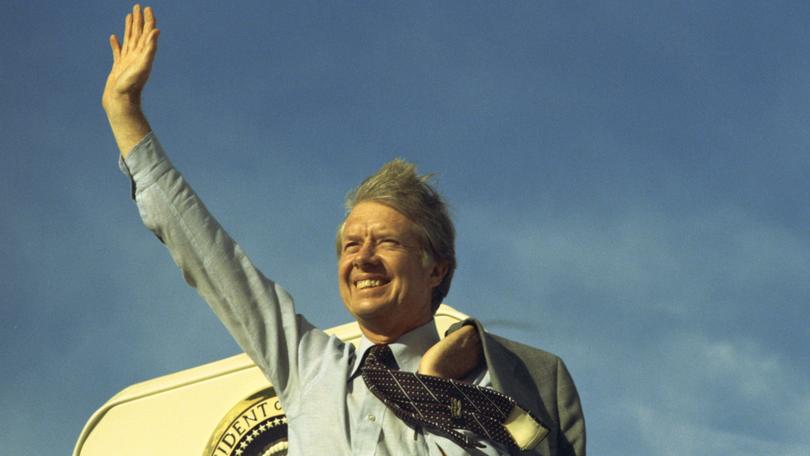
(256, 426)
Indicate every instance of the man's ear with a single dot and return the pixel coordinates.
(437, 273)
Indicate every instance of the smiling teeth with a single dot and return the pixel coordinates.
(368, 283)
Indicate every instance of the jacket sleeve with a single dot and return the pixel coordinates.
(257, 312)
(571, 418)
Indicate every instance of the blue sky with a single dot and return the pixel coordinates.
(628, 180)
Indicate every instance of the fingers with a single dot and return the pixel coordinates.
(150, 47)
(137, 26)
(153, 37)
(148, 27)
(116, 48)
(139, 33)
(127, 32)
(149, 20)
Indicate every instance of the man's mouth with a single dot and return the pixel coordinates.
(368, 283)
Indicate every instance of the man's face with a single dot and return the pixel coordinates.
(383, 281)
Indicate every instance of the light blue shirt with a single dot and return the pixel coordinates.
(328, 411)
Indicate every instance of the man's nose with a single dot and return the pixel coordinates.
(366, 255)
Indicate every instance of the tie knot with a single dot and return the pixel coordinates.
(381, 354)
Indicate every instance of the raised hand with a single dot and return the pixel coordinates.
(132, 63)
(455, 356)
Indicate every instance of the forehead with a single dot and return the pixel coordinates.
(374, 216)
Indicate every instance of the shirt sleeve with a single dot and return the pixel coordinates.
(257, 312)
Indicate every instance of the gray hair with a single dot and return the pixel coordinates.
(398, 186)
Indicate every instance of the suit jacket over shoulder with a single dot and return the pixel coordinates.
(540, 382)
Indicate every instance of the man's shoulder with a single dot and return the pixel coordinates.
(540, 382)
(500, 346)
(524, 351)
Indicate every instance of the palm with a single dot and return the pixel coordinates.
(130, 74)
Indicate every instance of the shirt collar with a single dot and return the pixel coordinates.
(407, 350)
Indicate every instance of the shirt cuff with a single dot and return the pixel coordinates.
(145, 163)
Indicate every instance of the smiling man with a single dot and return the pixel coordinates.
(390, 277)
(396, 260)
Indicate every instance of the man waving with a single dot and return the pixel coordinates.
(404, 391)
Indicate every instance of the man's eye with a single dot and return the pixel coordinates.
(389, 242)
(350, 246)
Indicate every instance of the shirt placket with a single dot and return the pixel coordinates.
(369, 426)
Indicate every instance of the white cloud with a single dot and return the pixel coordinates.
(664, 435)
(693, 394)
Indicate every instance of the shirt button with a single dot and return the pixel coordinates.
(371, 418)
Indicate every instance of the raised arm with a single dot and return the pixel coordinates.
(132, 63)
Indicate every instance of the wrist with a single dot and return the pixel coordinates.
(128, 124)
(121, 106)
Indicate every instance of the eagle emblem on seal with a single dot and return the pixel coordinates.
(256, 426)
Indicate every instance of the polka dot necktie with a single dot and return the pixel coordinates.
(440, 404)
